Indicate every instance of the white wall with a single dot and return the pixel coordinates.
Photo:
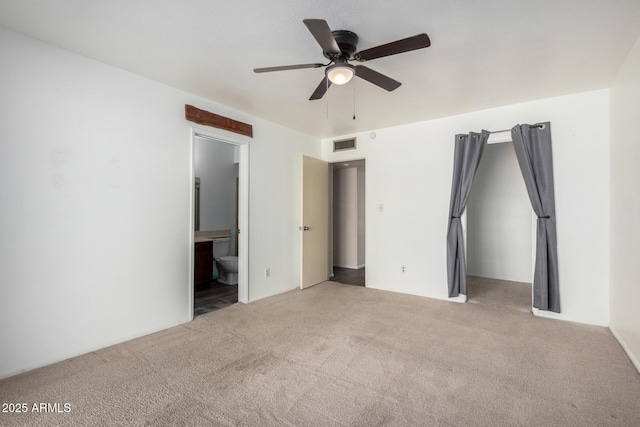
(345, 217)
(625, 205)
(275, 209)
(409, 171)
(95, 183)
(349, 223)
(405, 167)
(499, 218)
(362, 223)
(349, 211)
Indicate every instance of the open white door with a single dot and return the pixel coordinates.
(315, 222)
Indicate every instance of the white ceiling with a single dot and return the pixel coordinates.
(483, 54)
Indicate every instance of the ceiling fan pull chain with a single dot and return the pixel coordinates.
(354, 100)
(327, 83)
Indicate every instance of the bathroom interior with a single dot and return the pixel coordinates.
(215, 225)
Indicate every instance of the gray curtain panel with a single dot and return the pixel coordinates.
(466, 157)
(533, 150)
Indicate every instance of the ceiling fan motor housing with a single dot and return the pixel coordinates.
(347, 42)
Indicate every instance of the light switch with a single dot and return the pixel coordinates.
(381, 207)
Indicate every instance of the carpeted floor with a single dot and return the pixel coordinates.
(344, 355)
(500, 294)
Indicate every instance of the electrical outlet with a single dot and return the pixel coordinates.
(267, 272)
(403, 268)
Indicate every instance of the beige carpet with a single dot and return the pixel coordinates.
(345, 355)
(501, 294)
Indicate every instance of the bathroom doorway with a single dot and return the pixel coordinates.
(219, 214)
(499, 232)
(348, 219)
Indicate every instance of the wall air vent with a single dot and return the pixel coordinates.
(344, 144)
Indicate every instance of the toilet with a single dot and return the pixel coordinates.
(227, 265)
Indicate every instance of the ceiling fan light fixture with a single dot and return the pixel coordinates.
(340, 73)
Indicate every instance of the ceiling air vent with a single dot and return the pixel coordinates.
(344, 144)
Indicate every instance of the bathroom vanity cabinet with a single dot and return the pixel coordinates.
(203, 268)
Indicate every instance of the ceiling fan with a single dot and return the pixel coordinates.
(340, 47)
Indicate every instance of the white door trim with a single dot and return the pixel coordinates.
(243, 207)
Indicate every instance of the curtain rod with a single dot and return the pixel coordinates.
(507, 130)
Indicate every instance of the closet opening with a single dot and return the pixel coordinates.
(500, 232)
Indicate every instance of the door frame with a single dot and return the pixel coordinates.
(499, 138)
(366, 211)
(243, 206)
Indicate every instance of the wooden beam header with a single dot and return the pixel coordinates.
(206, 118)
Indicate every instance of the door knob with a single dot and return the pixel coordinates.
(305, 228)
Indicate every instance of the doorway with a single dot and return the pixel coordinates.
(348, 222)
(499, 232)
(219, 201)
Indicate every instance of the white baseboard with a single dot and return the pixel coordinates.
(461, 298)
(559, 316)
(626, 348)
(351, 267)
(85, 350)
(548, 314)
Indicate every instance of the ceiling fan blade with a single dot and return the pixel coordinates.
(376, 78)
(322, 33)
(286, 67)
(321, 89)
(399, 46)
